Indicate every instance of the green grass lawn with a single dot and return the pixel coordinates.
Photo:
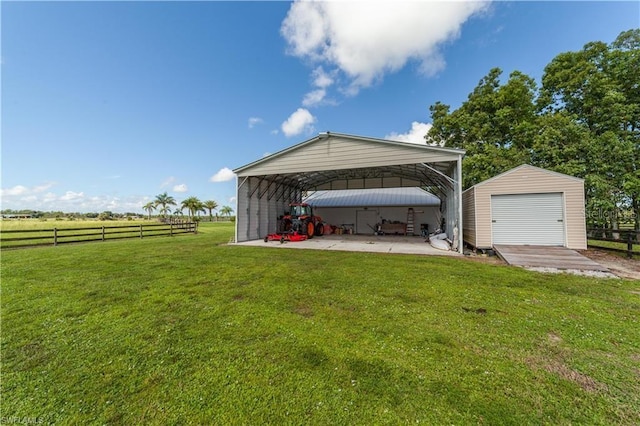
(187, 330)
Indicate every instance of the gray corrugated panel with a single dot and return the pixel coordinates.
(378, 197)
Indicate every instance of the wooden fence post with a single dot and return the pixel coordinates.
(140, 231)
(103, 233)
(55, 236)
(629, 245)
(171, 229)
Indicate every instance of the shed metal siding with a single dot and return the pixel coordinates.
(528, 179)
(469, 215)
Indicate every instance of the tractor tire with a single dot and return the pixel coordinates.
(309, 228)
(319, 229)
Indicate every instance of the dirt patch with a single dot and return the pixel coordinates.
(582, 380)
(619, 265)
(551, 358)
(554, 338)
(303, 310)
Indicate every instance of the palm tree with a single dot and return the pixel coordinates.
(193, 205)
(211, 206)
(226, 210)
(164, 200)
(149, 207)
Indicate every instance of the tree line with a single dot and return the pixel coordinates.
(193, 205)
(583, 120)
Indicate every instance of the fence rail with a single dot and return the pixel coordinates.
(19, 238)
(621, 236)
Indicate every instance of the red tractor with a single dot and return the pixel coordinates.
(300, 219)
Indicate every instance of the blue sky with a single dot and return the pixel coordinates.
(107, 104)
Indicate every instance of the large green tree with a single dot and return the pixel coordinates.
(495, 125)
(599, 88)
(584, 121)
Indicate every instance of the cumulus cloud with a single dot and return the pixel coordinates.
(16, 190)
(168, 181)
(254, 121)
(415, 135)
(321, 80)
(366, 40)
(314, 97)
(70, 201)
(223, 175)
(71, 196)
(180, 188)
(298, 122)
(21, 190)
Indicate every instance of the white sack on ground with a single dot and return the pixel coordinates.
(440, 244)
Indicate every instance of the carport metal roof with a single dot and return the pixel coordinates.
(340, 161)
(374, 197)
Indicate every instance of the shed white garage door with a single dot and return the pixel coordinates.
(535, 219)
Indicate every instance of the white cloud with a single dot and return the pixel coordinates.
(321, 78)
(223, 175)
(180, 188)
(167, 182)
(21, 190)
(366, 40)
(71, 201)
(16, 190)
(72, 196)
(300, 121)
(49, 197)
(314, 97)
(232, 200)
(415, 135)
(254, 121)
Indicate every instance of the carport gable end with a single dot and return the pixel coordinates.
(338, 161)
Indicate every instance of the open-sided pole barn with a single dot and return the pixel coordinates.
(338, 161)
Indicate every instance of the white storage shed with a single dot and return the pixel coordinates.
(526, 205)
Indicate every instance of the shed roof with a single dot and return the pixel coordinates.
(524, 167)
(375, 197)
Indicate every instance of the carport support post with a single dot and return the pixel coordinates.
(459, 201)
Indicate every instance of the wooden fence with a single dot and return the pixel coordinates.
(620, 236)
(56, 236)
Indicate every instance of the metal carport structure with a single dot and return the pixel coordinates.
(340, 161)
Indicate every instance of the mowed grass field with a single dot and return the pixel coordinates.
(189, 330)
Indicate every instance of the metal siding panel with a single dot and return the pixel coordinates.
(340, 154)
(534, 219)
(469, 214)
(365, 219)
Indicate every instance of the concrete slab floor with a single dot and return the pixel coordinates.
(362, 243)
